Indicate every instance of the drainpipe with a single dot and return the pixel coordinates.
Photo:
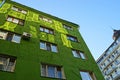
(2, 3)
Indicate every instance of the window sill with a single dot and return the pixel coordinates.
(53, 78)
(49, 51)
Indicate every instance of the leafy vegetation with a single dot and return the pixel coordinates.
(29, 55)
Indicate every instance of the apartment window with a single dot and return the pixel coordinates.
(9, 36)
(78, 54)
(52, 71)
(72, 38)
(67, 27)
(7, 63)
(15, 20)
(48, 46)
(45, 19)
(87, 75)
(46, 30)
(18, 9)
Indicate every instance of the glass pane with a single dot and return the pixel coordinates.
(54, 48)
(16, 38)
(14, 8)
(59, 73)
(46, 30)
(3, 35)
(51, 32)
(15, 20)
(24, 12)
(42, 45)
(48, 46)
(85, 76)
(10, 67)
(43, 71)
(51, 71)
(9, 36)
(3, 63)
(9, 19)
(41, 29)
(75, 54)
(21, 22)
(82, 55)
(45, 19)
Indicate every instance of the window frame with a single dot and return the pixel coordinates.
(9, 66)
(67, 27)
(91, 75)
(69, 37)
(9, 36)
(43, 29)
(46, 19)
(19, 10)
(19, 21)
(49, 45)
(78, 53)
(55, 72)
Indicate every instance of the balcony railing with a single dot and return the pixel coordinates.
(111, 70)
(117, 76)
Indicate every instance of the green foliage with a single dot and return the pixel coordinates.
(29, 55)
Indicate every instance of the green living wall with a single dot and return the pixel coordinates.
(30, 56)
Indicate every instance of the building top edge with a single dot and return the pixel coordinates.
(43, 13)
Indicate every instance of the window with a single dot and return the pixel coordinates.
(87, 75)
(45, 19)
(9, 36)
(7, 63)
(67, 27)
(72, 38)
(78, 54)
(15, 20)
(46, 30)
(48, 46)
(52, 71)
(18, 9)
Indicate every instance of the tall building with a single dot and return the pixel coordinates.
(109, 61)
(38, 46)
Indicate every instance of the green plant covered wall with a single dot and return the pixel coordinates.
(30, 56)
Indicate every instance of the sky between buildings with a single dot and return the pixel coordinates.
(96, 18)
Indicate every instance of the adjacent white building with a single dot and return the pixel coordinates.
(109, 61)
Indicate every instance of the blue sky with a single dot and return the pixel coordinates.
(96, 18)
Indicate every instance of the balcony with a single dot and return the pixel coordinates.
(117, 76)
(111, 70)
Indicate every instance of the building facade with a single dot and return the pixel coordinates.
(109, 61)
(38, 46)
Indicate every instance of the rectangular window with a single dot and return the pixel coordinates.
(48, 46)
(15, 20)
(67, 27)
(45, 19)
(9, 36)
(46, 30)
(3, 35)
(18, 10)
(52, 71)
(7, 63)
(72, 38)
(78, 54)
(87, 75)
